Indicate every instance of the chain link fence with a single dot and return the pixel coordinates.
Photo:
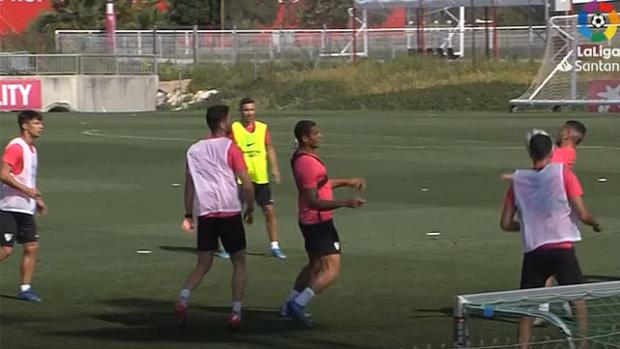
(197, 46)
(74, 64)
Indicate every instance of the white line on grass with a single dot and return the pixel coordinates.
(98, 133)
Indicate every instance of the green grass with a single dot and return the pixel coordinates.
(405, 83)
(109, 197)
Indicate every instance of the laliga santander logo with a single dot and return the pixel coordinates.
(599, 9)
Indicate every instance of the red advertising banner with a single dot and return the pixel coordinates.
(604, 90)
(20, 94)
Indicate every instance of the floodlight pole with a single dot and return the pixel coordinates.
(110, 26)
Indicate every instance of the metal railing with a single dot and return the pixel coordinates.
(191, 46)
(77, 64)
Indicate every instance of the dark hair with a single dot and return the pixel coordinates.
(303, 128)
(244, 101)
(215, 115)
(540, 147)
(577, 130)
(26, 116)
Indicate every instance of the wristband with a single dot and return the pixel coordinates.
(188, 215)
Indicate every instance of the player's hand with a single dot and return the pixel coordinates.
(275, 174)
(355, 202)
(506, 177)
(358, 183)
(41, 206)
(33, 193)
(187, 225)
(248, 215)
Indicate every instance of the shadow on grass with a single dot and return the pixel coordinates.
(600, 278)
(149, 320)
(192, 250)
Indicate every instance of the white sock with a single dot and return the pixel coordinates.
(236, 307)
(184, 295)
(274, 245)
(305, 297)
(294, 293)
(24, 287)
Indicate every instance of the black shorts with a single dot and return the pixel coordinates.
(321, 238)
(539, 265)
(228, 229)
(17, 226)
(262, 194)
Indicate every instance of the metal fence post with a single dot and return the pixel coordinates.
(195, 44)
(235, 44)
(155, 40)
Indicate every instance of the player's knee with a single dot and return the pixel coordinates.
(238, 258)
(6, 251)
(268, 211)
(31, 248)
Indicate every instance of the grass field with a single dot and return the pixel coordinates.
(107, 180)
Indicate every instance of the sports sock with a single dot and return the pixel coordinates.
(305, 297)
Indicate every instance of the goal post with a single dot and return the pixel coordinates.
(581, 65)
(603, 301)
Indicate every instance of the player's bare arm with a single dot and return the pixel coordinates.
(7, 178)
(584, 215)
(316, 203)
(188, 221)
(247, 195)
(507, 221)
(355, 182)
(273, 164)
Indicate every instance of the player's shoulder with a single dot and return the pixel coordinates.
(13, 146)
(302, 159)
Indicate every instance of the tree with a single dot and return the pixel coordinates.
(194, 12)
(333, 13)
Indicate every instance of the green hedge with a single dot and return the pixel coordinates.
(407, 83)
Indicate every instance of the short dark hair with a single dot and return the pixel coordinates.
(303, 128)
(215, 115)
(244, 101)
(577, 130)
(27, 115)
(540, 147)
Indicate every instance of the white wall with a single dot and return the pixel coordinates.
(100, 93)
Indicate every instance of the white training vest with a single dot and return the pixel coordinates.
(215, 183)
(544, 210)
(13, 200)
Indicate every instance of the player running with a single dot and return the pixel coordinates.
(211, 195)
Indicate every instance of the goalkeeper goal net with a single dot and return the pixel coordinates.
(498, 313)
(581, 65)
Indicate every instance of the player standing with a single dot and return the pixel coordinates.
(253, 137)
(20, 198)
(545, 196)
(316, 205)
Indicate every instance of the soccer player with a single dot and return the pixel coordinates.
(20, 199)
(316, 204)
(212, 197)
(253, 137)
(545, 198)
(570, 135)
